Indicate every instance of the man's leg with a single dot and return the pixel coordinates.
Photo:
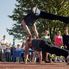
(6, 56)
(9, 56)
(43, 55)
(35, 30)
(46, 15)
(3, 55)
(37, 12)
(49, 47)
(46, 59)
(26, 28)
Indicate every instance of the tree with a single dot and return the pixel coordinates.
(59, 7)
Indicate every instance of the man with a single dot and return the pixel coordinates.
(17, 49)
(4, 43)
(66, 39)
(44, 45)
(29, 20)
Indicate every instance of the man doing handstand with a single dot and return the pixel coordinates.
(29, 20)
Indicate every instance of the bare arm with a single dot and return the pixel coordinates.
(26, 52)
(8, 48)
(4, 44)
(55, 41)
(42, 37)
(49, 39)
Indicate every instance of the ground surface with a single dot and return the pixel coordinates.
(16, 65)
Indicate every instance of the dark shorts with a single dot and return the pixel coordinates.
(30, 19)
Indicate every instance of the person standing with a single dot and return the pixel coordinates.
(66, 39)
(58, 43)
(22, 48)
(4, 43)
(17, 49)
(8, 53)
(46, 37)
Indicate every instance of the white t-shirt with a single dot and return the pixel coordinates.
(3, 41)
(17, 49)
(8, 50)
(24, 45)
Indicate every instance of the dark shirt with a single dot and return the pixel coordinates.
(66, 40)
(30, 19)
(35, 44)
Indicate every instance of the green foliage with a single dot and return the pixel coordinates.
(57, 7)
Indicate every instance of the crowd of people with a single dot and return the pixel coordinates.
(6, 48)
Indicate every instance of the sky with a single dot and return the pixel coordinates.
(6, 8)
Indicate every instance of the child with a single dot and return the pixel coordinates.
(17, 49)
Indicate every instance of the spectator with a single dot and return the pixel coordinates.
(10, 45)
(23, 47)
(66, 39)
(8, 53)
(45, 55)
(4, 43)
(17, 49)
(11, 51)
(46, 37)
(58, 43)
(23, 44)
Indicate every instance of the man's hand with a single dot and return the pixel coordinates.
(4, 44)
(59, 45)
(65, 46)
